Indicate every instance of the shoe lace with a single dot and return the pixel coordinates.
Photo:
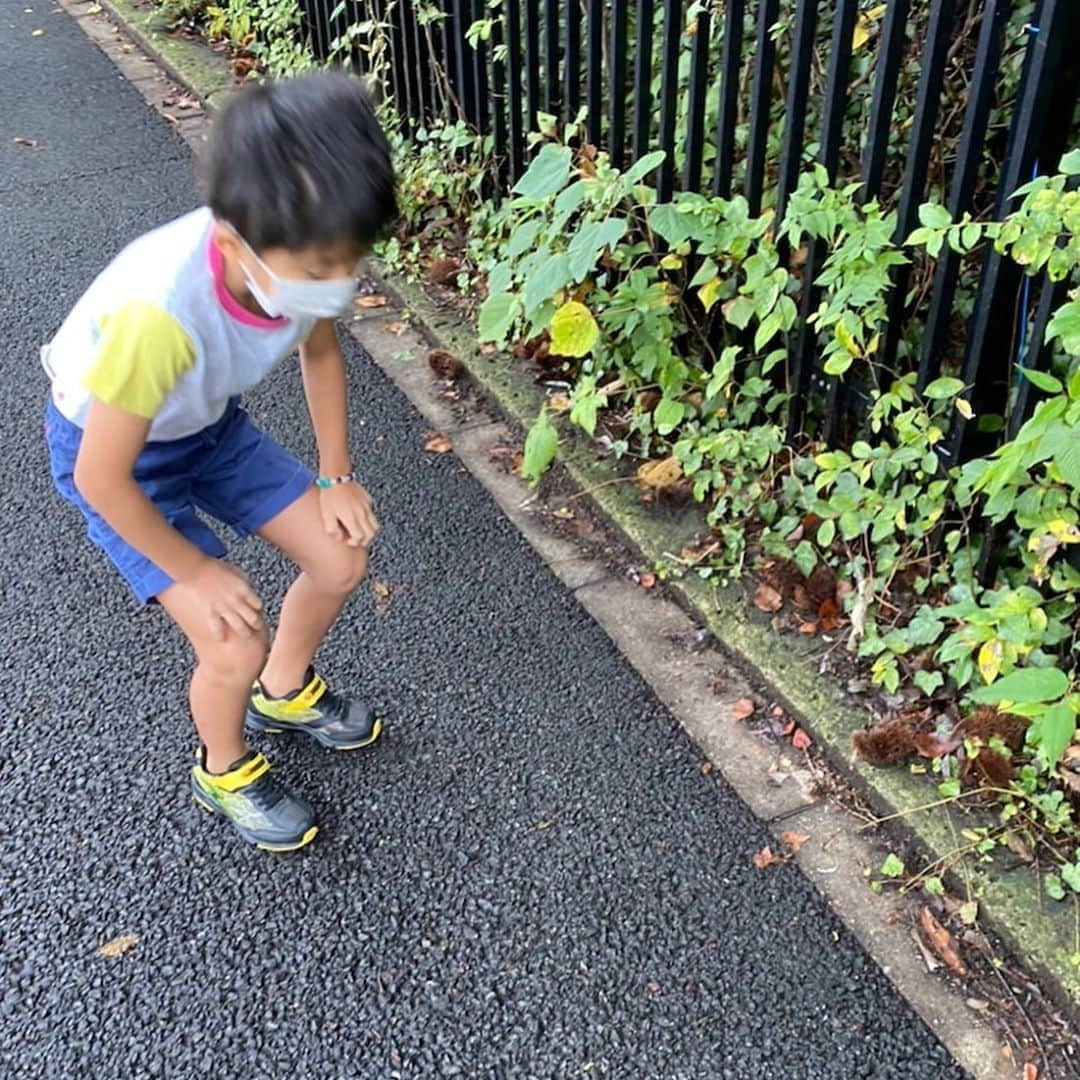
(334, 706)
(266, 792)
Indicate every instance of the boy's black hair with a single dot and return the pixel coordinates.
(301, 161)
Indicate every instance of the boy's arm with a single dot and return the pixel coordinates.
(346, 508)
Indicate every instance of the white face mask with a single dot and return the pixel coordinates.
(292, 298)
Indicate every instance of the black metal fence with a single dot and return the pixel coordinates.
(962, 99)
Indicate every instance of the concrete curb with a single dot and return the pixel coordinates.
(1010, 904)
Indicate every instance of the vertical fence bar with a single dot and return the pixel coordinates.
(424, 87)
(760, 103)
(1036, 354)
(727, 114)
(695, 113)
(498, 102)
(595, 64)
(532, 62)
(515, 132)
(617, 132)
(572, 62)
(448, 53)
(1040, 127)
(927, 103)
(462, 59)
(969, 155)
(802, 54)
(669, 95)
(643, 57)
(832, 126)
(551, 56)
(480, 75)
(889, 56)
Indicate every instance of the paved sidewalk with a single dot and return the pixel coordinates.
(531, 878)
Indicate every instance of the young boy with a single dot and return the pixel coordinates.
(144, 425)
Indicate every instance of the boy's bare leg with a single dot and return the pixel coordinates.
(330, 571)
(221, 684)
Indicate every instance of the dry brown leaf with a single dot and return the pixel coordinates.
(395, 327)
(559, 403)
(743, 709)
(808, 628)
(793, 840)
(546, 824)
(564, 513)
(941, 941)
(437, 442)
(371, 300)
(37, 33)
(660, 474)
(20, 140)
(706, 767)
(444, 364)
(118, 946)
(765, 858)
(1031, 1071)
(766, 598)
(800, 740)
(647, 580)
(829, 614)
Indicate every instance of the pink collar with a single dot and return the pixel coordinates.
(226, 298)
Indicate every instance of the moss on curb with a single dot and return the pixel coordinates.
(1044, 936)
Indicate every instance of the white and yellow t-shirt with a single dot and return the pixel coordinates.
(158, 335)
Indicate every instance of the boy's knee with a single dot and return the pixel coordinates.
(237, 659)
(342, 574)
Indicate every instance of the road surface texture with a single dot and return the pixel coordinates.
(529, 878)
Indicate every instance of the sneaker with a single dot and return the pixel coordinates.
(336, 722)
(261, 809)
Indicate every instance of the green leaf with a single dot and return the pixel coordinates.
(546, 281)
(1056, 728)
(667, 415)
(934, 216)
(541, 446)
(589, 244)
(892, 867)
(1070, 163)
(1054, 889)
(669, 223)
(1067, 459)
(497, 315)
(1042, 380)
(929, 681)
(934, 886)
(708, 293)
(1070, 874)
(949, 789)
(523, 237)
(573, 330)
(1066, 325)
(1024, 686)
(838, 363)
(943, 388)
(587, 402)
(739, 311)
(643, 166)
(805, 558)
(826, 532)
(548, 173)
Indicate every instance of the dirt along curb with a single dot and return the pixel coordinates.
(652, 630)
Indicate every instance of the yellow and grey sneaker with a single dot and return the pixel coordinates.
(261, 809)
(315, 710)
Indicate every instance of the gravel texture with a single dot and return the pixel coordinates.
(529, 878)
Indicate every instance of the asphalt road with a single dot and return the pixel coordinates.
(434, 929)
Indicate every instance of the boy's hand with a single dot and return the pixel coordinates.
(230, 603)
(347, 514)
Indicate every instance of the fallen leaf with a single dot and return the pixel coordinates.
(977, 1004)
(546, 824)
(394, 327)
(118, 946)
(371, 300)
(647, 580)
(793, 840)
(444, 364)
(563, 512)
(765, 858)
(829, 613)
(1031, 1071)
(787, 728)
(38, 33)
(660, 474)
(94, 9)
(929, 959)
(652, 987)
(766, 598)
(808, 628)
(380, 588)
(743, 709)
(800, 740)
(934, 744)
(559, 403)
(437, 443)
(33, 144)
(705, 767)
(941, 941)
(487, 349)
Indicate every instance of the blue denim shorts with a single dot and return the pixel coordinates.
(230, 470)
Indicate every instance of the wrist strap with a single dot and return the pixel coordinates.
(325, 482)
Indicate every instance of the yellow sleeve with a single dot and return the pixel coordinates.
(142, 351)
